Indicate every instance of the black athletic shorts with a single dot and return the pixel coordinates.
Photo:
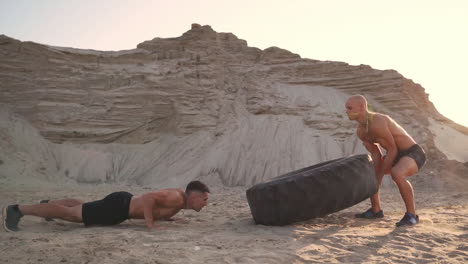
(415, 152)
(111, 210)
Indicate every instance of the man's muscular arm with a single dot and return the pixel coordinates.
(376, 155)
(149, 202)
(163, 199)
(387, 142)
(373, 148)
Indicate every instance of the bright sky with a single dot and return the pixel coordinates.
(425, 40)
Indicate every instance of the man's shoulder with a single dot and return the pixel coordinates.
(381, 118)
(380, 115)
(168, 191)
(168, 197)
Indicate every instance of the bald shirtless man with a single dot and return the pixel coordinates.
(404, 157)
(114, 208)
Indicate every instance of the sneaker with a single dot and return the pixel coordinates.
(48, 219)
(370, 214)
(11, 217)
(408, 219)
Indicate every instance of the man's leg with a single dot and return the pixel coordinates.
(405, 167)
(375, 211)
(12, 214)
(375, 202)
(375, 199)
(71, 214)
(64, 202)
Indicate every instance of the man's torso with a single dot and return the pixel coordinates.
(372, 133)
(159, 211)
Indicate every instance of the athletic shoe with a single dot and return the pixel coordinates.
(370, 214)
(11, 217)
(48, 219)
(408, 219)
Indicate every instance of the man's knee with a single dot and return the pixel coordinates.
(398, 175)
(74, 214)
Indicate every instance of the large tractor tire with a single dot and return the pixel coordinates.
(313, 191)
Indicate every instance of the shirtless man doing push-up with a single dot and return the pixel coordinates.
(114, 208)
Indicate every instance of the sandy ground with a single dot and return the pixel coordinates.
(224, 232)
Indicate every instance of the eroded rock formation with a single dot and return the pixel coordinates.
(203, 105)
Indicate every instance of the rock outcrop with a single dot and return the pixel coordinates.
(203, 105)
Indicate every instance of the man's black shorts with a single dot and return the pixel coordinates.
(415, 152)
(111, 210)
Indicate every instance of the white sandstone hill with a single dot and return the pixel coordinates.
(201, 106)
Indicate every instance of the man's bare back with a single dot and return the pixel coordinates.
(164, 204)
(168, 202)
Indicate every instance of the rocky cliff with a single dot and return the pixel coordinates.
(203, 105)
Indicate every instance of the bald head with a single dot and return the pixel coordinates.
(358, 100)
(356, 107)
